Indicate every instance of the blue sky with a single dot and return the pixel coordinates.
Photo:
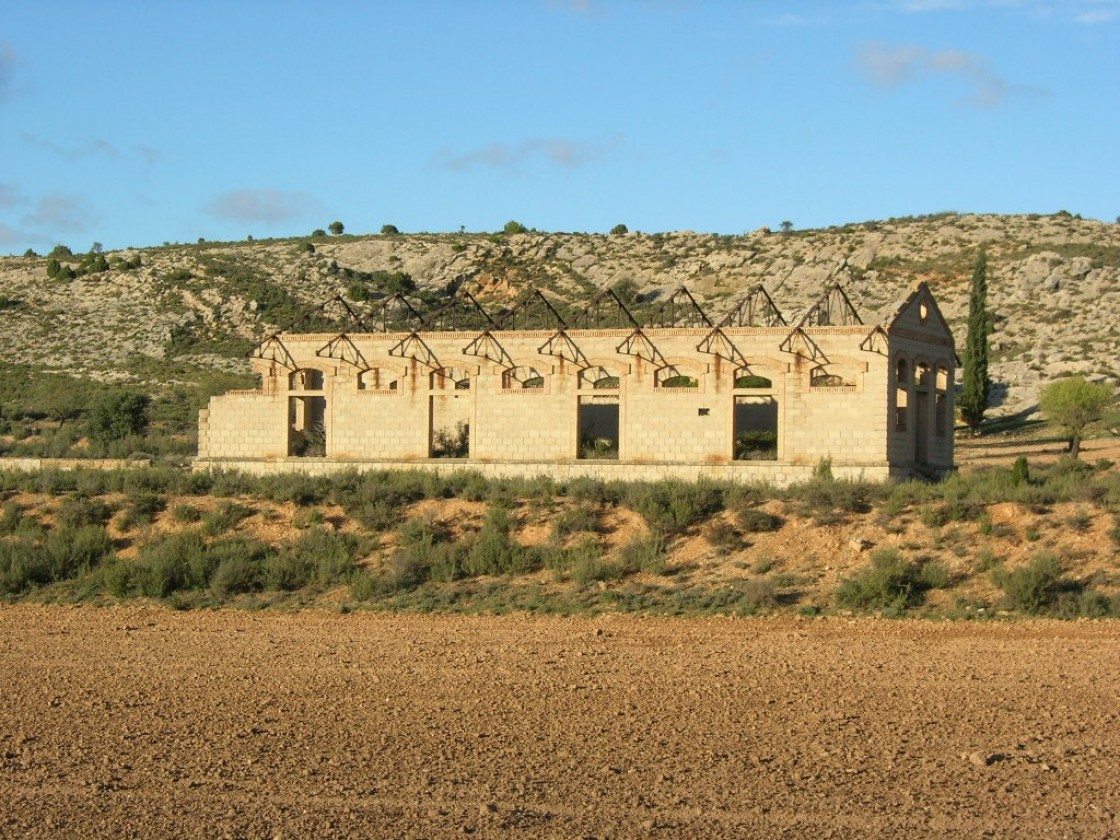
(134, 123)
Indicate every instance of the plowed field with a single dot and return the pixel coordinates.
(143, 722)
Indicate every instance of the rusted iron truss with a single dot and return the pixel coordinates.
(272, 349)
(488, 347)
(342, 348)
(718, 344)
(832, 310)
(462, 313)
(876, 341)
(757, 309)
(799, 344)
(413, 347)
(605, 311)
(638, 344)
(395, 314)
(328, 316)
(532, 312)
(680, 309)
(560, 344)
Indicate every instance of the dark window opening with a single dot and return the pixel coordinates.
(756, 429)
(598, 428)
(307, 427)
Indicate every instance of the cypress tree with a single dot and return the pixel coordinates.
(973, 399)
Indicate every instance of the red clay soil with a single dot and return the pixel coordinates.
(143, 722)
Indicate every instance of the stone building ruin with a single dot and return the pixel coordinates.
(746, 398)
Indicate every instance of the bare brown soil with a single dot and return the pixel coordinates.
(143, 722)
(1002, 450)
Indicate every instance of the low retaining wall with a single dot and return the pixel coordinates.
(36, 464)
(739, 472)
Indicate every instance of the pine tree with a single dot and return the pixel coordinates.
(973, 399)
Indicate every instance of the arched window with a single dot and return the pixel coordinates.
(598, 378)
(672, 376)
(522, 378)
(923, 375)
(378, 379)
(305, 379)
(746, 378)
(823, 377)
(450, 379)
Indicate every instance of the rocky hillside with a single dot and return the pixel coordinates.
(1054, 288)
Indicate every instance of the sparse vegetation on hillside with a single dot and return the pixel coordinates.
(166, 317)
(968, 547)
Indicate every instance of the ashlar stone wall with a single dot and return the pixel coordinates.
(873, 398)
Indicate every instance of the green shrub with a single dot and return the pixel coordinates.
(590, 568)
(118, 577)
(986, 560)
(287, 570)
(494, 552)
(76, 512)
(1087, 603)
(1020, 471)
(888, 583)
(117, 414)
(142, 508)
(404, 569)
(756, 595)
(674, 506)
(644, 553)
(334, 553)
(185, 514)
(224, 518)
(934, 574)
(722, 535)
(1032, 588)
(307, 518)
(580, 518)
(10, 518)
(830, 501)
(171, 564)
(754, 520)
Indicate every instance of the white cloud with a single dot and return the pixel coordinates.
(265, 205)
(890, 65)
(93, 147)
(11, 236)
(61, 213)
(559, 151)
(8, 62)
(1079, 11)
(10, 196)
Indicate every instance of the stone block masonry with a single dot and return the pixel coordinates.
(751, 403)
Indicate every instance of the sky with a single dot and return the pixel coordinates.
(133, 123)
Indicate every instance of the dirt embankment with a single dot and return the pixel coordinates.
(136, 721)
